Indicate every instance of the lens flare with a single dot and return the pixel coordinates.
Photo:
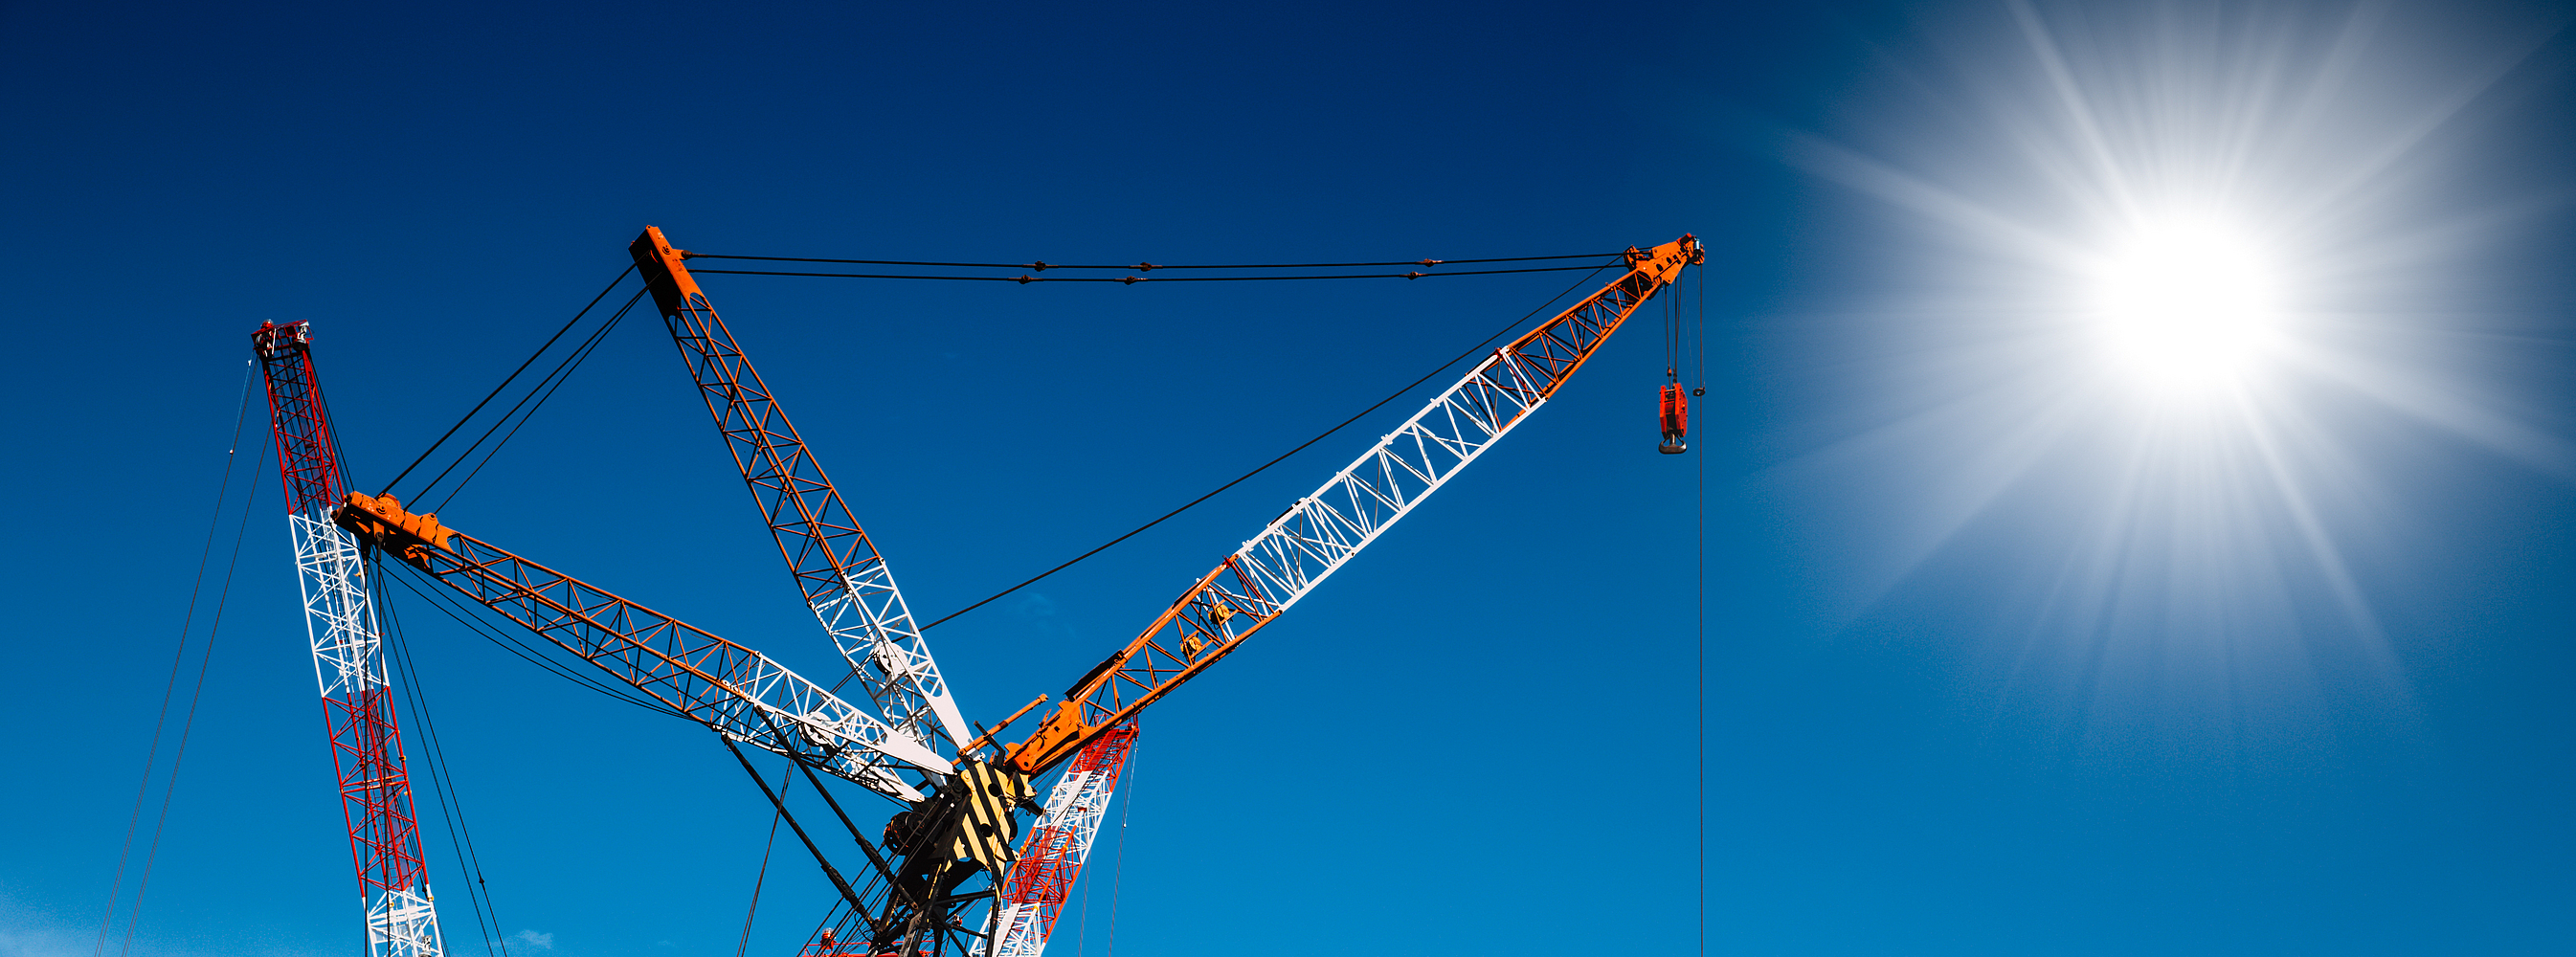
(2172, 314)
(2186, 305)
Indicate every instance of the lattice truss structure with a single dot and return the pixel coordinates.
(735, 690)
(348, 658)
(1316, 536)
(1058, 845)
(752, 699)
(845, 581)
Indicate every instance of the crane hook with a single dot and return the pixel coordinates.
(1674, 412)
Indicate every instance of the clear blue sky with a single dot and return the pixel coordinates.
(2009, 650)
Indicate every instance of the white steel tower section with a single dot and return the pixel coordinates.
(348, 657)
(349, 667)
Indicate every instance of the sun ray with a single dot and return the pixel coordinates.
(2184, 271)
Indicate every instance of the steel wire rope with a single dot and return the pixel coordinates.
(178, 659)
(1265, 466)
(1118, 870)
(839, 883)
(784, 782)
(442, 774)
(533, 655)
(1699, 671)
(562, 373)
(505, 382)
(170, 782)
(1132, 280)
(1042, 266)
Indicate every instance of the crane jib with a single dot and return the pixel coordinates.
(1322, 531)
(705, 677)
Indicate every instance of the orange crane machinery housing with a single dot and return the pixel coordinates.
(961, 819)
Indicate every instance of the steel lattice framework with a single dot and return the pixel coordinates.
(1058, 844)
(836, 565)
(1322, 531)
(348, 656)
(920, 907)
(739, 692)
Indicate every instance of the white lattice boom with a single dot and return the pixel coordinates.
(845, 581)
(1315, 537)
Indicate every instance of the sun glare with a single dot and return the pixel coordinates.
(2181, 308)
(2186, 305)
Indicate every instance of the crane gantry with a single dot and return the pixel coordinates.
(963, 795)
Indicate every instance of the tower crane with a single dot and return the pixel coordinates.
(965, 823)
(348, 655)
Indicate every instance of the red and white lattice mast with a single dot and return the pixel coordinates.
(348, 656)
(1058, 844)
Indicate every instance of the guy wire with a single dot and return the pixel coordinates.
(187, 622)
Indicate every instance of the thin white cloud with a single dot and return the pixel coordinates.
(533, 940)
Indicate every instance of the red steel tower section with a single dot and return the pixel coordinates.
(1052, 858)
(348, 655)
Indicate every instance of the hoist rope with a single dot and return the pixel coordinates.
(1025, 279)
(442, 775)
(170, 781)
(1700, 671)
(1265, 466)
(187, 625)
(505, 382)
(1041, 266)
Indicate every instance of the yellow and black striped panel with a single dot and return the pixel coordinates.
(986, 827)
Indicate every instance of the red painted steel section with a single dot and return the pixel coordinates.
(1673, 413)
(366, 740)
(1047, 866)
(307, 457)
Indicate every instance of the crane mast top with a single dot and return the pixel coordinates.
(348, 656)
(307, 453)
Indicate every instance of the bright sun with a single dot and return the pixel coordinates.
(2187, 305)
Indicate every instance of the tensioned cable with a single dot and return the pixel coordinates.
(505, 382)
(1118, 871)
(562, 373)
(1700, 672)
(187, 626)
(460, 834)
(170, 784)
(827, 921)
(744, 946)
(532, 655)
(1042, 266)
(1025, 279)
(1238, 480)
(442, 781)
